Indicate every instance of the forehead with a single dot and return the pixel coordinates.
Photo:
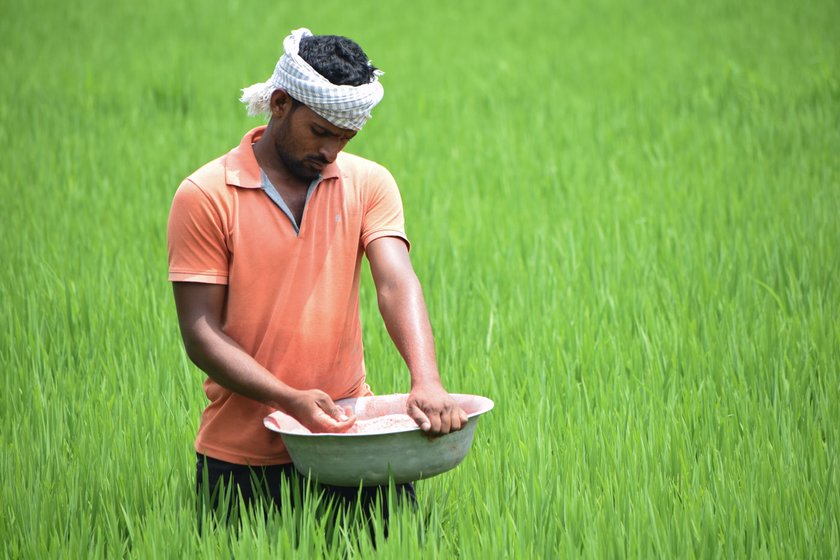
(311, 117)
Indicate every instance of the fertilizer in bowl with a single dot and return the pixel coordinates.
(376, 425)
(387, 423)
(383, 444)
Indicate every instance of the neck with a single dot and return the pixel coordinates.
(268, 160)
(265, 154)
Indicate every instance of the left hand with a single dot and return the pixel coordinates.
(434, 410)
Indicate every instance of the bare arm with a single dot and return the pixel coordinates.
(403, 309)
(200, 308)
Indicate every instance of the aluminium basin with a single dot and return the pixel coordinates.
(404, 453)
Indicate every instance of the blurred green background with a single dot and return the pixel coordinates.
(624, 216)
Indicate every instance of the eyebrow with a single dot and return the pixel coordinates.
(323, 130)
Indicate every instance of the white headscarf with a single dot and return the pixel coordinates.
(344, 106)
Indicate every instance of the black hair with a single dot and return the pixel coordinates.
(338, 59)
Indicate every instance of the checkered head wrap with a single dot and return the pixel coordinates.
(344, 106)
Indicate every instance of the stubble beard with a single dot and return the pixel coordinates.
(295, 166)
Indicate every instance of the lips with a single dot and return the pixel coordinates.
(316, 163)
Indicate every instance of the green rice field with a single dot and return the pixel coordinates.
(625, 216)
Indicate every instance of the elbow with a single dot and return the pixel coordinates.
(195, 346)
(193, 353)
(399, 291)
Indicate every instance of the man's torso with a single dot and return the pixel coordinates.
(292, 298)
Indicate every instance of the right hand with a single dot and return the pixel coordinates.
(318, 413)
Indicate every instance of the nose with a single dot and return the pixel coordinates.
(330, 148)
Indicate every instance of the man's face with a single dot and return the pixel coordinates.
(306, 142)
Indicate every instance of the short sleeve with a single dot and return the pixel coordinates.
(198, 250)
(383, 210)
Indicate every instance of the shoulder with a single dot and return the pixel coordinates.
(362, 170)
(204, 192)
(209, 178)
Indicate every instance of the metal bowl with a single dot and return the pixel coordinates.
(371, 458)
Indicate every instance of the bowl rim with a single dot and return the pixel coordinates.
(272, 423)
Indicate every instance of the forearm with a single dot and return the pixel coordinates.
(226, 363)
(404, 312)
(200, 308)
(234, 369)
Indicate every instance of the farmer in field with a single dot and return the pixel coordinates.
(265, 250)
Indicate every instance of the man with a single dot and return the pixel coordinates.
(265, 249)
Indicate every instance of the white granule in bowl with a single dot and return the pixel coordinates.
(387, 423)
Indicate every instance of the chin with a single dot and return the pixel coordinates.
(307, 175)
(302, 171)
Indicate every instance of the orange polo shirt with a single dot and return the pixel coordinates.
(292, 299)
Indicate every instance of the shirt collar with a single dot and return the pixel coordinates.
(242, 170)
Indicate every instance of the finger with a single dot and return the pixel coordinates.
(434, 418)
(342, 426)
(327, 423)
(339, 414)
(333, 410)
(445, 422)
(455, 420)
(419, 417)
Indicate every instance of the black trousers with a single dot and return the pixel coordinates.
(222, 481)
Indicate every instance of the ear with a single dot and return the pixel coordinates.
(281, 103)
